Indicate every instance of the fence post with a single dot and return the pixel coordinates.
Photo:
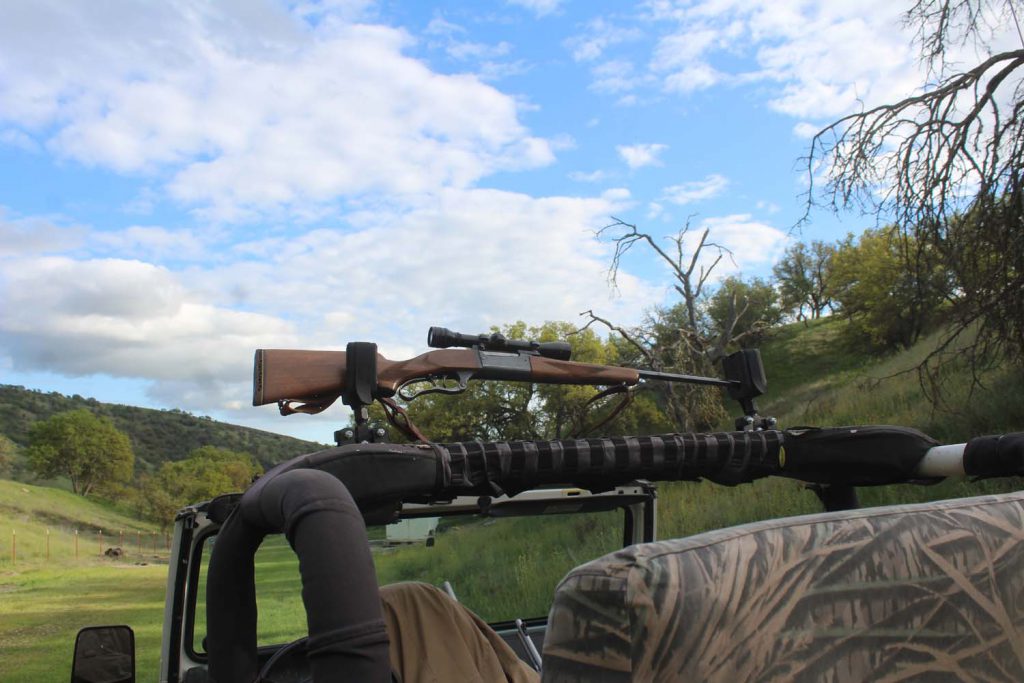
(138, 540)
(99, 540)
(120, 539)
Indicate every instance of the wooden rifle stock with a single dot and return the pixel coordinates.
(283, 374)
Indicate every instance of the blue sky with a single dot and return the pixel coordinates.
(181, 184)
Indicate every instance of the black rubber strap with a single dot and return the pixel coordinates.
(360, 374)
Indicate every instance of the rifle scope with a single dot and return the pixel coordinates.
(443, 338)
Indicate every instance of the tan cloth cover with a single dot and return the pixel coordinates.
(434, 639)
(931, 592)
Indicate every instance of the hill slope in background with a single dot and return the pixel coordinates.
(815, 377)
(38, 512)
(156, 435)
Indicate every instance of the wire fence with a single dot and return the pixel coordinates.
(61, 545)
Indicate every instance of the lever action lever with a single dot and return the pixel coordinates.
(436, 383)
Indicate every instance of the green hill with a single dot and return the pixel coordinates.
(40, 515)
(816, 378)
(156, 435)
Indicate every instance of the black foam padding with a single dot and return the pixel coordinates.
(1001, 455)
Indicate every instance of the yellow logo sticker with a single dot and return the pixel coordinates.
(782, 457)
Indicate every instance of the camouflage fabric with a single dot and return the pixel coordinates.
(931, 592)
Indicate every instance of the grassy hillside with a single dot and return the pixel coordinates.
(815, 378)
(32, 511)
(156, 435)
(45, 602)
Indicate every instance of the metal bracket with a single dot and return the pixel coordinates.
(363, 432)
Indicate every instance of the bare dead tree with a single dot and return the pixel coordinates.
(678, 338)
(945, 166)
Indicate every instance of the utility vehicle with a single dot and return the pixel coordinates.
(911, 592)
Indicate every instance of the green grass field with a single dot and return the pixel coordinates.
(43, 607)
(43, 602)
(813, 379)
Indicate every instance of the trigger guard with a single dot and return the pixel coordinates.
(461, 377)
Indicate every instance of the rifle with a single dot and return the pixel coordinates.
(310, 381)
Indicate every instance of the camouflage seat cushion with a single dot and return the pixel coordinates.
(931, 592)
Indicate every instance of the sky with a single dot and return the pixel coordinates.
(183, 183)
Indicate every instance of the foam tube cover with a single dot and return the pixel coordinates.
(995, 456)
(347, 638)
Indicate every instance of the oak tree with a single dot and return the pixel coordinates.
(207, 472)
(804, 277)
(887, 304)
(82, 446)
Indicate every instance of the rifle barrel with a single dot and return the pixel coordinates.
(691, 379)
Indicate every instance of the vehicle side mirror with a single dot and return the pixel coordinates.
(104, 654)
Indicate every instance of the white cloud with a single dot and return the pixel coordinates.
(615, 76)
(253, 112)
(142, 204)
(692, 78)
(541, 8)
(817, 60)
(463, 256)
(695, 190)
(153, 243)
(752, 244)
(37, 235)
(805, 130)
(446, 34)
(316, 10)
(598, 35)
(439, 26)
(465, 259)
(680, 50)
(592, 177)
(129, 319)
(18, 139)
(469, 50)
(640, 155)
(116, 289)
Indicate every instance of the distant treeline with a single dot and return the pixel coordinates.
(157, 436)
